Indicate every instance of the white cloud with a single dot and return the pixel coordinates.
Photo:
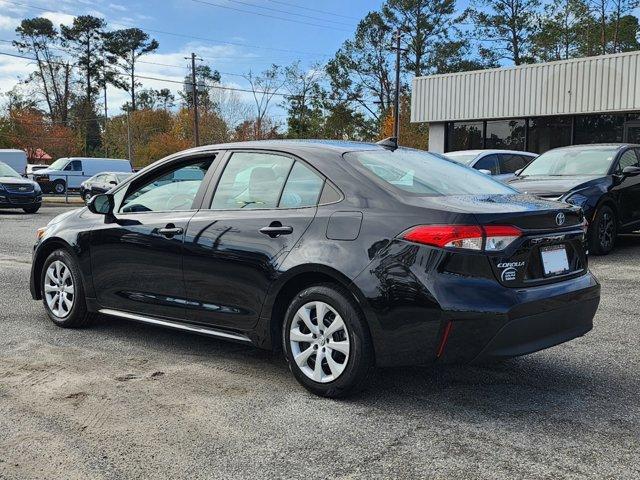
(8, 23)
(118, 7)
(58, 18)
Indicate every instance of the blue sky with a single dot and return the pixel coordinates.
(229, 40)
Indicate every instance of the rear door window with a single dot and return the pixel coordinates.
(302, 189)
(488, 162)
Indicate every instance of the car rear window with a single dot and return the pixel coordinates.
(421, 173)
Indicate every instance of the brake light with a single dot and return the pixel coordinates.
(468, 237)
(491, 238)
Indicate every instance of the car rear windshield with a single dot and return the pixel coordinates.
(422, 173)
(572, 161)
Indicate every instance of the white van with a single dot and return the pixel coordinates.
(71, 172)
(16, 159)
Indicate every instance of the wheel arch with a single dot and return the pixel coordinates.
(289, 285)
(43, 252)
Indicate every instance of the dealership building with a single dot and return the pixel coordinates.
(532, 107)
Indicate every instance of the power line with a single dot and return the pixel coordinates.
(227, 7)
(181, 82)
(286, 12)
(177, 34)
(312, 9)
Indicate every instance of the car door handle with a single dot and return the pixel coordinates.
(276, 229)
(170, 231)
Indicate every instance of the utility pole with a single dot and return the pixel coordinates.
(396, 99)
(196, 126)
(106, 111)
(129, 137)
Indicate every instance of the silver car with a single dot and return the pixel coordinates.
(501, 164)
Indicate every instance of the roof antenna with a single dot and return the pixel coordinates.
(389, 143)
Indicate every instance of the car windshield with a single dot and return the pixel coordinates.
(422, 173)
(59, 164)
(463, 158)
(572, 161)
(7, 171)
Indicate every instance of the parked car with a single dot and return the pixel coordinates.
(601, 179)
(502, 164)
(16, 159)
(71, 172)
(101, 183)
(32, 168)
(347, 255)
(18, 192)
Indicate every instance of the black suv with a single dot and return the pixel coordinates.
(602, 179)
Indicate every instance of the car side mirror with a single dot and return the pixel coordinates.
(486, 172)
(101, 204)
(630, 171)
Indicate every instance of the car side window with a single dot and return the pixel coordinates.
(302, 189)
(627, 159)
(488, 162)
(510, 162)
(170, 190)
(73, 166)
(252, 180)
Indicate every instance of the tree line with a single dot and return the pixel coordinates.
(61, 106)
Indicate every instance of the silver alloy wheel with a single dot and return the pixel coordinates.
(319, 342)
(59, 187)
(87, 197)
(59, 290)
(606, 231)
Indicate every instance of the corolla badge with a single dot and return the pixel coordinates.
(510, 272)
(560, 218)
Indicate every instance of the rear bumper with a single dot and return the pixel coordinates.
(543, 330)
(544, 320)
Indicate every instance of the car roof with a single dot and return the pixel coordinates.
(338, 146)
(599, 146)
(487, 151)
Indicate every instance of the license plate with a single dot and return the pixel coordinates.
(554, 260)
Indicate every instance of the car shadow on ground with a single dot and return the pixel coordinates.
(527, 385)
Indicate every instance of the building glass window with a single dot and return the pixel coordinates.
(464, 136)
(601, 128)
(546, 133)
(505, 134)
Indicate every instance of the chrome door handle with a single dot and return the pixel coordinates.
(170, 231)
(275, 229)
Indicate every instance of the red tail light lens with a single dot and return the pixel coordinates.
(466, 237)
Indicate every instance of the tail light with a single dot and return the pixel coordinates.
(491, 238)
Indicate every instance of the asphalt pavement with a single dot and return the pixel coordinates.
(121, 400)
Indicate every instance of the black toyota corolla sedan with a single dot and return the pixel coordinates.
(345, 255)
(602, 179)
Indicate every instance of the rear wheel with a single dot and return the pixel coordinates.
(326, 342)
(63, 292)
(603, 231)
(86, 196)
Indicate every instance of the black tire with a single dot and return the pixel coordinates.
(77, 316)
(33, 209)
(603, 231)
(360, 362)
(59, 187)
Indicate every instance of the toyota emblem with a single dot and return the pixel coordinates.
(560, 218)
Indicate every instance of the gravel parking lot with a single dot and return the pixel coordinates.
(121, 400)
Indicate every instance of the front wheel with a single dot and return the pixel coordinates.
(33, 209)
(86, 196)
(59, 187)
(603, 231)
(327, 342)
(63, 292)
